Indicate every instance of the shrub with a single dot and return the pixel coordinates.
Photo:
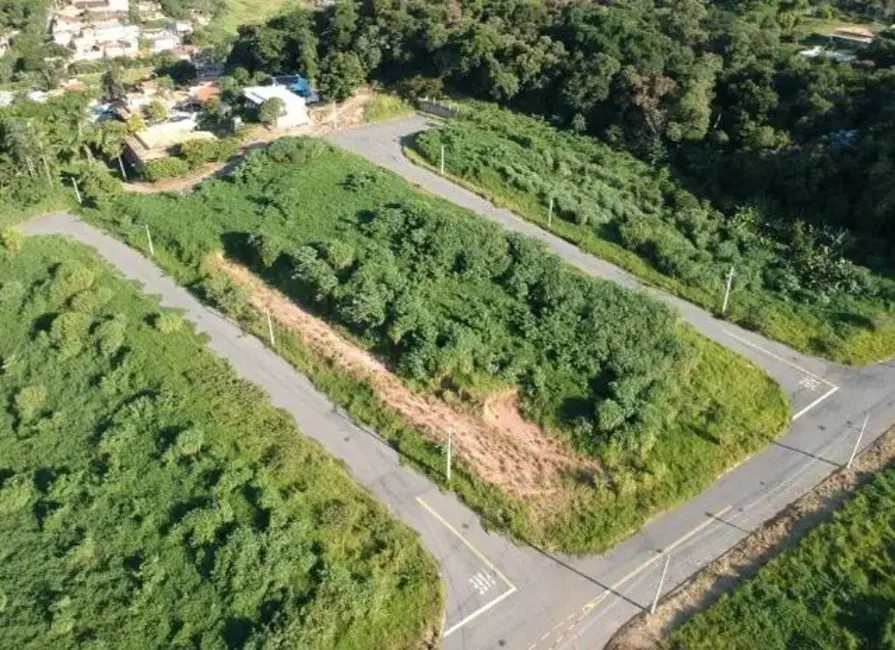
(226, 294)
(169, 167)
(168, 323)
(97, 185)
(198, 152)
(91, 301)
(109, 336)
(28, 402)
(70, 278)
(69, 331)
(10, 242)
(16, 494)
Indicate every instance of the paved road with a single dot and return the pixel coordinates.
(504, 596)
(828, 404)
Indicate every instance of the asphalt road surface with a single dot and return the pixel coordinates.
(501, 595)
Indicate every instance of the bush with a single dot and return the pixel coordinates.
(109, 336)
(69, 278)
(156, 170)
(168, 323)
(10, 243)
(91, 301)
(29, 401)
(97, 185)
(68, 332)
(226, 294)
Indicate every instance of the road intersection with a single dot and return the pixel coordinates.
(504, 595)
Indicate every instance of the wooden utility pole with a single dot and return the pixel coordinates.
(550, 213)
(74, 182)
(270, 329)
(442, 160)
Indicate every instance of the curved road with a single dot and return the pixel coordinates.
(502, 595)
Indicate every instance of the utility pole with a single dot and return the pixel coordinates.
(854, 451)
(450, 444)
(270, 329)
(659, 587)
(550, 213)
(149, 239)
(74, 182)
(727, 289)
(442, 160)
(121, 167)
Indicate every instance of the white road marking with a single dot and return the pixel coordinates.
(808, 373)
(815, 403)
(484, 608)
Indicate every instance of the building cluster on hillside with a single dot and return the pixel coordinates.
(99, 29)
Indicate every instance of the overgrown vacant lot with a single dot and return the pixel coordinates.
(460, 309)
(792, 281)
(835, 590)
(151, 499)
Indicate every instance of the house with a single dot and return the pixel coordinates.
(159, 140)
(295, 108)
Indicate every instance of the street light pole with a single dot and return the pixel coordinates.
(442, 160)
(74, 182)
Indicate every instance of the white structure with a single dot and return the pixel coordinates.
(295, 109)
(102, 6)
(161, 40)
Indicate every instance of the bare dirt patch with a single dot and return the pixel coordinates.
(497, 444)
(781, 533)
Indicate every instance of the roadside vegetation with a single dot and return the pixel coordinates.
(792, 282)
(834, 590)
(150, 498)
(462, 310)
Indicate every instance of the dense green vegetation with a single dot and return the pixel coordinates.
(714, 94)
(150, 498)
(792, 282)
(835, 590)
(457, 306)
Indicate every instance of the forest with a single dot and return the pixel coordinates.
(459, 308)
(834, 590)
(150, 498)
(791, 281)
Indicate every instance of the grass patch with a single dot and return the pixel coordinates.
(834, 590)
(247, 12)
(56, 199)
(386, 107)
(151, 498)
(617, 208)
(458, 307)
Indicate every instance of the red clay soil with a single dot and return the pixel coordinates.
(497, 443)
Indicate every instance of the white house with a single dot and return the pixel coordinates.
(161, 40)
(295, 109)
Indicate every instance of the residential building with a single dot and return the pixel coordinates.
(295, 108)
(102, 6)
